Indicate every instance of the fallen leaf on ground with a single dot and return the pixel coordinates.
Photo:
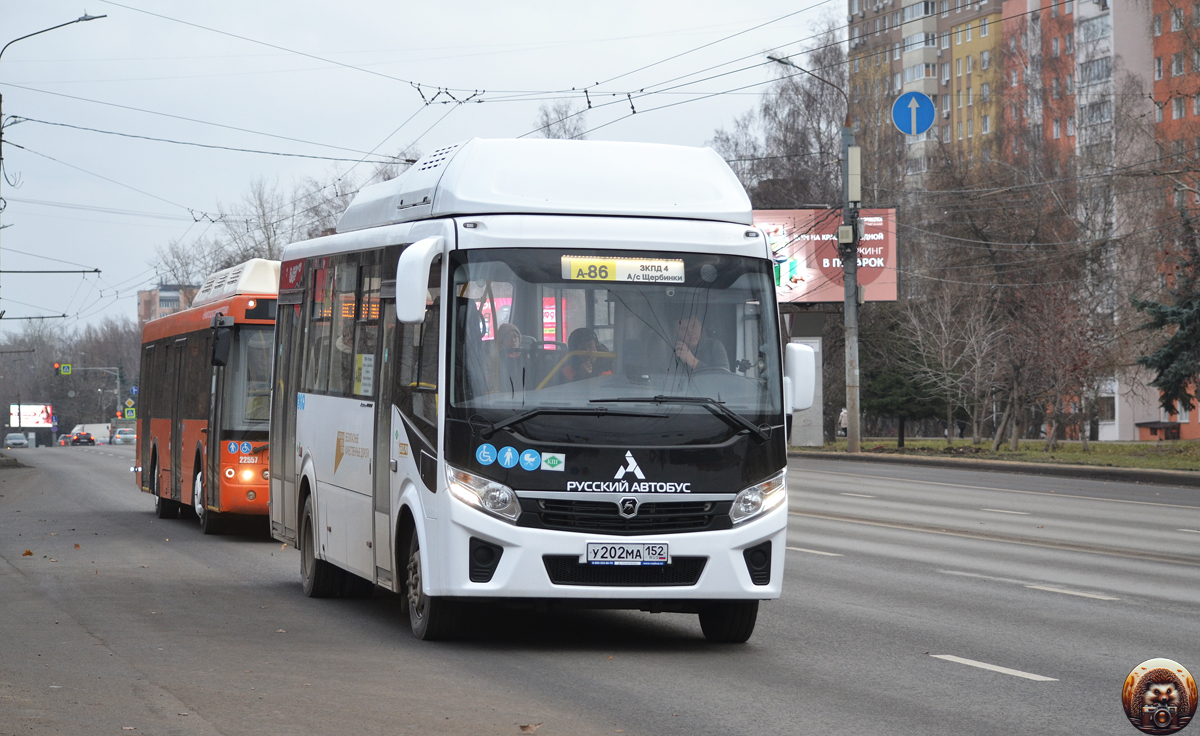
(280, 631)
(284, 546)
(27, 553)
(77, 546)
(529, 727)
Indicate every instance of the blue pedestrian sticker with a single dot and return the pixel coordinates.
(531, 459)
(508, 457)
(232, 447)
(246, 448)
(485, 454)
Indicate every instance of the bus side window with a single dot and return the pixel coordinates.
(345, 307)
(366, 334)
(417, 372)
(316, 358)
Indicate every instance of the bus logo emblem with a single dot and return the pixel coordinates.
(631, 467)
(628, 507)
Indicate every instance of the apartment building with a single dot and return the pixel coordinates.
(1083, 85)
(947, 49)
(164, 299)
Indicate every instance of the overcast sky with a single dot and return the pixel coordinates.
(106, 202)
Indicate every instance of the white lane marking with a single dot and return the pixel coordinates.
(994, 668)
(1073, 592)
(1002, 511)
(814, 552)
(1193, 531)
(983, 577)
(1002, 490)
(858, 495)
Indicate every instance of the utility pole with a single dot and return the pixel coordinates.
(848, 252)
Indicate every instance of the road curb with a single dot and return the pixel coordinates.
(1089, 472)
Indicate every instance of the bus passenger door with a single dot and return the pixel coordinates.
(384, 452)
(283, 423)
(175, 381)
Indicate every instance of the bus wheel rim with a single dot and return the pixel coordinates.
(416, 599)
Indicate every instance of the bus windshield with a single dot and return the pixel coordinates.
(614, 344)
(248, 381)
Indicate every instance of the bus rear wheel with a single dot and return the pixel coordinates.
(729, 622)
(209, 520)
(164, 508)
(432, 618)
(321, 579)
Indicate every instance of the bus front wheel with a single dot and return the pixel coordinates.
(321, 579)
(432, 618)
(729, 622)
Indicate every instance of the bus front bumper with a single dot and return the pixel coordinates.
(524, 572)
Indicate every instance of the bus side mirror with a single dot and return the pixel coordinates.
(800, 371)
(222, 342)
(412, 278)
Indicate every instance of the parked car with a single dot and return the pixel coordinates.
(15, 439)
(83, 438)
(125, 437)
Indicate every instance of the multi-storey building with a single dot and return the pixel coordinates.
(947, 49)
(164, 299)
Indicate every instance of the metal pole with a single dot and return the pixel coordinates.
(848, 250)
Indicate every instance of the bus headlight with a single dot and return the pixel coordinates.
(485, 495)
(760, 498)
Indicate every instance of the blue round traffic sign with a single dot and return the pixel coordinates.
(913, 113)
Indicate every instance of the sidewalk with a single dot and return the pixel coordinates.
(1088, 472)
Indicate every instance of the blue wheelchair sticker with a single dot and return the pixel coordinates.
(246, 448)
(508, 457)
(485, 454)
(531, 459)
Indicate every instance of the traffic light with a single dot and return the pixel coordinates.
(57, 369)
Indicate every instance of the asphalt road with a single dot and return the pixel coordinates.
(119, 622)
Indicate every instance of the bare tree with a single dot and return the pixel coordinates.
(562, 120)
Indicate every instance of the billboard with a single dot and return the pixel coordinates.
(32, 416)
(807, 266)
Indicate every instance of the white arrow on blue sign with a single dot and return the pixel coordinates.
(913, 113)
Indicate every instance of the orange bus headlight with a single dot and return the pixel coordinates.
(247, 475)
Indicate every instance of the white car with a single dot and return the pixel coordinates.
(125, 437)
(15, 439)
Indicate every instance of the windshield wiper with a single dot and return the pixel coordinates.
(716, 407)
(595, 411)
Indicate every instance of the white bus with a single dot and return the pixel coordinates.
(539, 371)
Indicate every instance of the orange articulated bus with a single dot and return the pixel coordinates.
(205, 399)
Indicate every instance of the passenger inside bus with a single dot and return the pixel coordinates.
(509, 365)
(583, 360)
(695, 350)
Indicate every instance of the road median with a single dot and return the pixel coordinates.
(1088, 472)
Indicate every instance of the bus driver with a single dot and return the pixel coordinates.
(695, 349)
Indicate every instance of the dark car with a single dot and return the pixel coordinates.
(83, 438)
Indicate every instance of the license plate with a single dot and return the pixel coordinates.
(606, 553)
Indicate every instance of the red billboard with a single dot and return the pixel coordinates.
(807, 265)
